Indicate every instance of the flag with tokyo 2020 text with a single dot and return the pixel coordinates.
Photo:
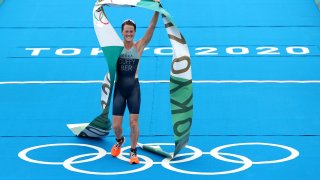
(181, 95)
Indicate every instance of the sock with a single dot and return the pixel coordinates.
(133, 150)
(120, 140)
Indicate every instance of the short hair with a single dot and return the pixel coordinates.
(128, 22)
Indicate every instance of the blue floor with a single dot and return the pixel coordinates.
(274, 44)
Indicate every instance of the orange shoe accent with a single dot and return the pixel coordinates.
(134, 158)
(115, 151)
(116, 148)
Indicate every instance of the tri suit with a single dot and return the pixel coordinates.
(127, 87)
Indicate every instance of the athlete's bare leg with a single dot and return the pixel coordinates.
(117, 126)
(134, 134)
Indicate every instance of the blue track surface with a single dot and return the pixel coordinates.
(274, 44)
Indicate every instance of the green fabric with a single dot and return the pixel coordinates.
(111, 55)
(181, 109)
(155, 7)
(156, 150)
(318, 3)
(180, 88)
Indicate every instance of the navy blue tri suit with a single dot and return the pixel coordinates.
(127, 87)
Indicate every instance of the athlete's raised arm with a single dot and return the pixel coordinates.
(142, 43)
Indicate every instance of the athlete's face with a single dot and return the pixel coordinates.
(128, 33)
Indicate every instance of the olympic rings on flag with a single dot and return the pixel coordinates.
(101, 16)
(166, 163)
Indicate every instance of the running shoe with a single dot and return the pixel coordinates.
(116, 149)
(134, 157)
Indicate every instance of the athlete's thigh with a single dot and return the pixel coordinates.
(134, 99)
(119, 102)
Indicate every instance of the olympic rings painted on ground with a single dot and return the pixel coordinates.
(68, 162)
(166, 163)
(23, 153)
(68, 165)
(247, 164)
(294, 153)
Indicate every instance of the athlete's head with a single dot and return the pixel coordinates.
(128, 22)
(128, 29)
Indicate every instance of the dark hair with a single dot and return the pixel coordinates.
(128, 22)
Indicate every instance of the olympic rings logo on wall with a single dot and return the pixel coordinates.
(167, 163)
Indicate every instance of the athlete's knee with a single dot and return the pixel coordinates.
(134, 127)
(133, 122)
(117, 123)
(117, 128)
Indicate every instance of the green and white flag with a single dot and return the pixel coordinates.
(318, 3)
(181, 96)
